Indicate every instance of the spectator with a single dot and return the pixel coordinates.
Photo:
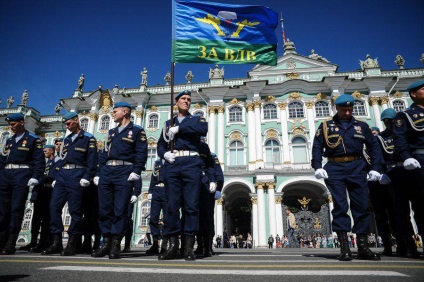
(240, 241)
(330, 241)
(270, 242)
(233, 242)
(249, 241)
(225, 238)
(278, 241)
(218, 241)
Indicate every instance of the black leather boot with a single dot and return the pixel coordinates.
(71, 247)
(154, 249)
(105, 249)
(387, 246)
(206, 249)
(200, 244)
(45, 241)
(164, 245)
(86, 246)
(3, 240)
(10, 247)
(188, 248)
(56, 247)
(115, 250)
(363, 251)
(173, 251)
(96, 243)
(345, 253)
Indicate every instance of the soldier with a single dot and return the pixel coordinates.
(183, 171)
(120, 166)
(341, 139)
(157, 196)
(21, 165)
(409, 149)
(78, 165)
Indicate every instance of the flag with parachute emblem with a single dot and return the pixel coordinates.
(206, 32)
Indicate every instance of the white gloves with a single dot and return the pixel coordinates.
(96, 180)
(169, 156)
(217, 195)
(32, 182)
(321, 173)
(149, 196)
(172, 132)
(53, 183)
(133, 176)
(84, 182)
(411, 164)
(133, 199)
(384, 179)
(373, 175)
(212, 187)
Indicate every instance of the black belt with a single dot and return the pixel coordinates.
(343, 159)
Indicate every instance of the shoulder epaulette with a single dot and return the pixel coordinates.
(88, 134)
(138, 126)
(33, 135)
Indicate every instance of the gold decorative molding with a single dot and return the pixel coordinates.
(278, 200)
(84, 113)
(304, 202)
(139, 113)
(175, 108)
(198, 106)
(100, 145)
(250, 106)
(292, 75)
(295, 95)
(298, 130)
(220, 201)
(212, 109)
(309, 104)
(252, 162)
(6, 128)
(105, 111)
(270, 98)
(271, 134)
(384, 100)
(282, 106)
(333, 98)
(270, 185)
(105, 101)
(236, 136)
(57, 134)
(358, 95)
(94, 116)
(145, 196)
(321, 96)
(220, 109)
(151, 143)
(373, 101)
(234, 101)
(260, 185)
(254, 200)
(398, 94)
(330, 199)
(257, 103)
(153, 108)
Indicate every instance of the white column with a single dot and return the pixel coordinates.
(220, 134)
(271, 209)
(212, 130)
(258, 134)
(255, 233)
(279, 216)
(284, 133)
(218, 227)
(377, 116)
(261, 215)
(251, 137)
(138, 117)
(384, 103)
(92, 122)
(330, 209)
(310, 117)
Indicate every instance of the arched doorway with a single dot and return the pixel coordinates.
(237, 210)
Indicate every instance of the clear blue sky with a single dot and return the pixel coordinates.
(45, 45)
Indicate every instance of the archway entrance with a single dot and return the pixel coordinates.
(237, 210)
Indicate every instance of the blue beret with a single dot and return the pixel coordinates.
(415, 85)
(345, 100)
(122, 104)
(49, 147)
(375, 128)
(58, 140)
(68, 116)
(185, 92)
(15, 117)
(388, 114)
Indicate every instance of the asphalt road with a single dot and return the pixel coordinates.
(227, 265)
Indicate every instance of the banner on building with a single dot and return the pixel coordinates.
(206, 32)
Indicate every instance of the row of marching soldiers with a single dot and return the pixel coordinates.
(389, 173)
(102, 186)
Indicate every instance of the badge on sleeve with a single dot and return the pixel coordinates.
(318, 132)
(399, 122)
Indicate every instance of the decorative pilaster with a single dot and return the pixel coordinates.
(310, 116)
(284, 132)
(255, 221)
(219, 223)
(138, 117)
(92, 122)
(260, 186)
(251, 136)
(384, 102)
(330, 207)
(212, 130)
(373, 101)
(279, 215)
(220, 134)
(271, 207)
(259, 159)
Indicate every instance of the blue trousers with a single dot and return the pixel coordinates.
(158, 204)
(13, 195)
(182, 185)
(343, 178)
(67, 189)
(114, 197)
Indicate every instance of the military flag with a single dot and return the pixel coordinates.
(206, 32)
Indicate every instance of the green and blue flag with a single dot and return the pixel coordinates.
(206, 32)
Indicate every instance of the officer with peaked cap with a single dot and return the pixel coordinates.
(183, 171)
(341, 140)
(21, 166)
(120, 165)
(408, 133)
(78, 165)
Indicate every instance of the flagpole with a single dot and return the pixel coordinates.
(172, 103)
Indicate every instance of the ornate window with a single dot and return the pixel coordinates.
(151, 157)
(84, 123)
(235, 114)
(322, 109)
(359, 108)
(104, 123)
(27, 219)
(398, 105)
(145, 213)
(153, 121)
(300, 153)
(236, 153)
(270, 111)
(4, 137)
(296, 110)
(272, 152)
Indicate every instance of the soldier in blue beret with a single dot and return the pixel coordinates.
(184, 92)
(78, 164)
(341, 140)
(120, 165)
(21, 166)
(183, 169)
(408, 131)
(375, 130)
